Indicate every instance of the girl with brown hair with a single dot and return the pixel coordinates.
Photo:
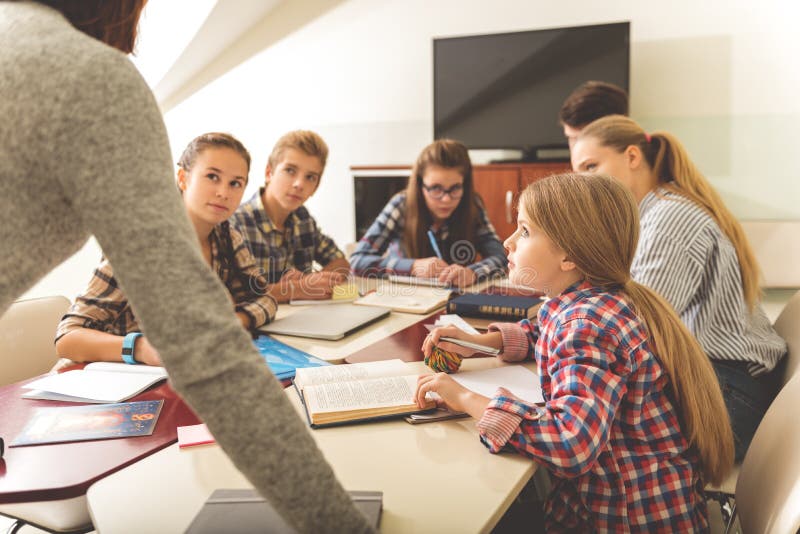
(633, 423)
(693, 252)
(212, 175)
(436, 228)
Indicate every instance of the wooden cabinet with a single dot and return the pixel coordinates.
(499, 185)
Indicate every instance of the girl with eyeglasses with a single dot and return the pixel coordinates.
(436, 228)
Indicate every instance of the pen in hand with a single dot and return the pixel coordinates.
(434, 244)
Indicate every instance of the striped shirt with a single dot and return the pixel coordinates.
(609, 432)
(104, 306)
(685, 257)
(298, 246)
(381, 249)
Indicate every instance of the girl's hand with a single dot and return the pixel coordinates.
(145, 353)
(317, 285)
(458, 276)
(491, 339)
(453, 395)
(432, 340)
(428, 267)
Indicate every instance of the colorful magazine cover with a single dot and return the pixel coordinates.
(284, 360)
(94, 421)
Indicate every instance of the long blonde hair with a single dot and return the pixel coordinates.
(670, 162)
(600, 237)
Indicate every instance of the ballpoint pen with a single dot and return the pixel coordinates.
(434, 245)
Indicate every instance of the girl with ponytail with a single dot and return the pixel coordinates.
(634, 423)
(693, 253)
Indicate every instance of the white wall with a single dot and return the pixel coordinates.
(722, 75)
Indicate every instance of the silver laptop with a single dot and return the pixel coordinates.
(333, 321)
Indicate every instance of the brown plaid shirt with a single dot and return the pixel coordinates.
(297, 247)
(104, 307)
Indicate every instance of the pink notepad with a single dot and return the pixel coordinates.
(189, 436)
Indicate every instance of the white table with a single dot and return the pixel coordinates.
(436, 477)
(337, 351)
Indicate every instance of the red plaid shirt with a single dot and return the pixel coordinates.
(609, 432)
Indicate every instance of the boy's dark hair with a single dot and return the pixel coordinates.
(591, 101)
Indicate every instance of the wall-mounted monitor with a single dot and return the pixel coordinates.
(504, 90)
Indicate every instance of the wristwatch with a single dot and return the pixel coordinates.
(128, 344)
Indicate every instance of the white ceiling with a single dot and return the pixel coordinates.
(178, 38)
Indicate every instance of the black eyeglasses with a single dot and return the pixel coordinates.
(437, 191)
(2, 447)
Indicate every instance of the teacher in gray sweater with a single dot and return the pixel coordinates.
(84, 151)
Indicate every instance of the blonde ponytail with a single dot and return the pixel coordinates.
(677, 173)
(601, 240)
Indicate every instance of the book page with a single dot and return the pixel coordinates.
(406, 298)
(119, 367)
(95, 386)
(348, 372)
(372, 393)
(519, 380)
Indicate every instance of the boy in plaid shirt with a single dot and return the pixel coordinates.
(284, 238)
(634, 422)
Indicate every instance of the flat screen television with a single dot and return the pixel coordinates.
(504, 90)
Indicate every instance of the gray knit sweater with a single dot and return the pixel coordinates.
(83, 150)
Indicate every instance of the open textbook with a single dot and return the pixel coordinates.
(98, 382)
(353, 392)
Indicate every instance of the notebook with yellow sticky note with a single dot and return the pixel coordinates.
(342, 293)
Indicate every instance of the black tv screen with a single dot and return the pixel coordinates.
(504, 90)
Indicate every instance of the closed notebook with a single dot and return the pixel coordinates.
(325, 322)
(81, 423)
(244, 511)
(98, 382)
(500, 307)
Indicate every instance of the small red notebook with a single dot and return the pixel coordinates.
(189, 436)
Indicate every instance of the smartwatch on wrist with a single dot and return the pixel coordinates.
(128, 344)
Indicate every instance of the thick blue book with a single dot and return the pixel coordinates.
(494, 306)
(284, 360)
(94, 421)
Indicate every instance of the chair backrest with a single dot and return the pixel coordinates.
(777, 250)
(768, 488)
(788, 327)
(27, 331)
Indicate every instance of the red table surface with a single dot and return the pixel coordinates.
(405, 345)
(66, 470)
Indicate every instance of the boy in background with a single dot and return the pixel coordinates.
(284, 238)
(588, 102)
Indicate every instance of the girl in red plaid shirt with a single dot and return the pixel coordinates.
(634, 423)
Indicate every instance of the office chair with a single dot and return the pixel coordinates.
(787, 325)
(27, 331)
(768, 487)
